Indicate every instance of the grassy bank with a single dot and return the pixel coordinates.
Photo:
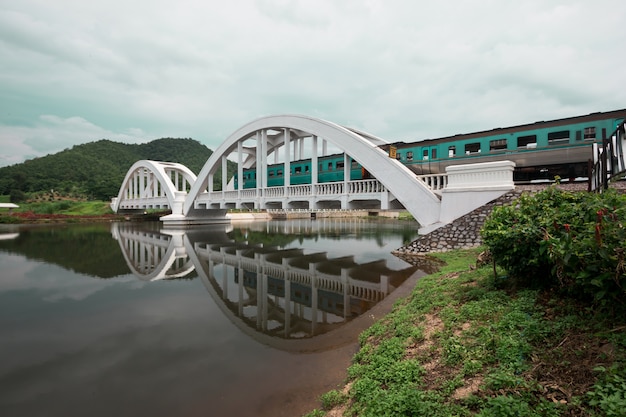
(465, 343)
(62, 210)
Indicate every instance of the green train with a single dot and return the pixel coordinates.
(330, 169)
(540, 150)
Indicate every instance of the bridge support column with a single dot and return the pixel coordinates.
(384, 200)
(314, 164)
(224, 173)
(240, 167)
(287, 165)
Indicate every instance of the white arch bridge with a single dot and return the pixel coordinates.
(432, 200)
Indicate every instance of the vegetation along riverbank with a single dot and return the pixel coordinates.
(537, 329)
(57, 210)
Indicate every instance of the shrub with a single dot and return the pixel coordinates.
(554, 238)
(515, 235)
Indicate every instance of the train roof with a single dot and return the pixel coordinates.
(591, 117)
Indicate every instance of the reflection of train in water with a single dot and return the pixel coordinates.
(327, 301)
(540, 150)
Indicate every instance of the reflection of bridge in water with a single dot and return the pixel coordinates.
(281, 297)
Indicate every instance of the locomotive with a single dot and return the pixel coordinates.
(541, 151)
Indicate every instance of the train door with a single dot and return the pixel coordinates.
(428, 159)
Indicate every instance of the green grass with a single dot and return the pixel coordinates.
(89, 208)
(405, 215)
(68, 207)
(465, 343)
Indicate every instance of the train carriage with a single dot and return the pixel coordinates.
(540, 150)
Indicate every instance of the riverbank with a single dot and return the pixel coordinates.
(29, 217)
(466, 343)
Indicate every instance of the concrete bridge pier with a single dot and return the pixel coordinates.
(472, 186)
(195, 217)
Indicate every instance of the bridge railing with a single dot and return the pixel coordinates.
(435, 182)
(330, 188)
(609, 159)
(297, 190)
(365, 186)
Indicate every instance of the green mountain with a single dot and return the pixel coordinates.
(97, 169)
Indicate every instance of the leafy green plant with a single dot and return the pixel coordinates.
(332, 398)
(571, 241)
(514, 406)
(503, 378)
(315, 413)
(609, 394)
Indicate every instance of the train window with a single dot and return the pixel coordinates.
(297, 170)
(558, 138)
(451, 151)
(472, 148)
(330, 166)
(434, 153)
(280, 173)
(306, 168)
(398, 156)
(497, 145)
(527, 141)
(579, 135)
(590, 132)
(340, 165)
(271, 173)
(424, 155)
(409, 155)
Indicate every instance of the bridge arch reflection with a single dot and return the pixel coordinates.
(291, 299)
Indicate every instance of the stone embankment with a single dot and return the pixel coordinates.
(464, 232)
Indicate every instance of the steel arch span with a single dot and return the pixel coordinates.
(154, 184)
(280, 131)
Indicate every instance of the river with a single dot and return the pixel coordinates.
(244, 319)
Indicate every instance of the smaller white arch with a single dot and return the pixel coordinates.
(162, 172)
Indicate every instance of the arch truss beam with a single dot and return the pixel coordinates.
(283, 137)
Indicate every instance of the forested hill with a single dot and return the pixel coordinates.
(96, 169)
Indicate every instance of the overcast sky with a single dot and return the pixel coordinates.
(76, 71)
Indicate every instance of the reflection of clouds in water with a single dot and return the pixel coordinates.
(52, 282)
(14, 269)
(360, 249)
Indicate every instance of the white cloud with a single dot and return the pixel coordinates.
(401, 69)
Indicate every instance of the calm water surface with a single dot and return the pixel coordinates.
(248, 319)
